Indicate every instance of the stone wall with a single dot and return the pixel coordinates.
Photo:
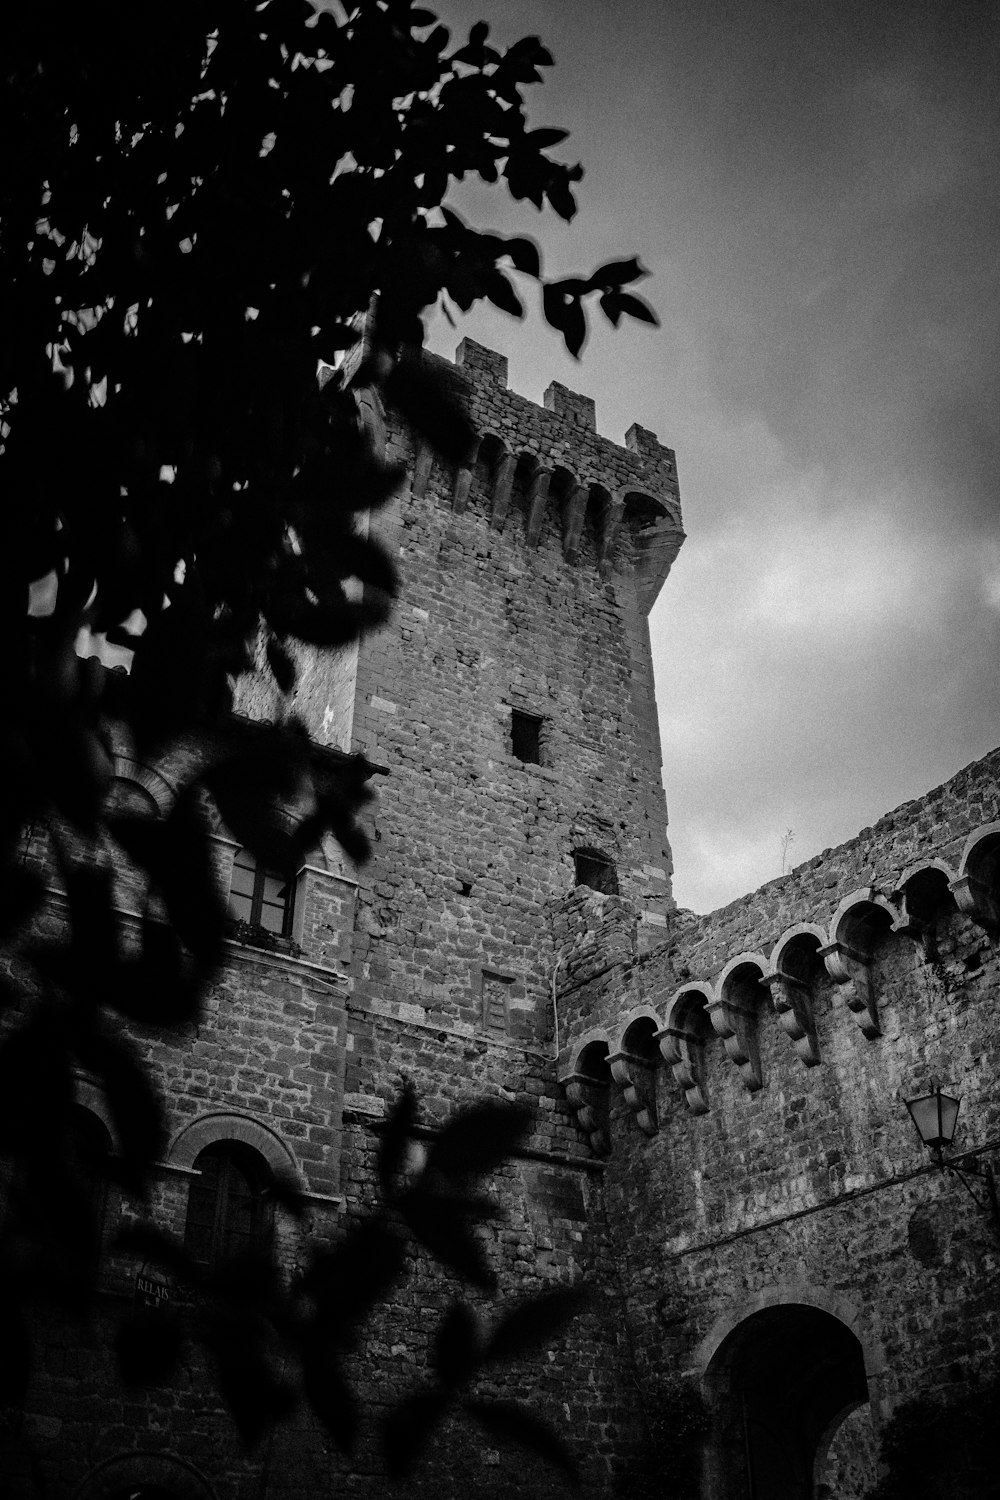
(719, 1144)
(773, 1044)
(527, 578)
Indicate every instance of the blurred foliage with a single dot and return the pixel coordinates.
(943, 1445)
(275, 1346)
(678, 1421)
(219, 230)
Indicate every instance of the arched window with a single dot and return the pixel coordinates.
(90, 1147)
(259, 897)
(595, 870)
(140, 1491)
(128, 796)
(228, 1211)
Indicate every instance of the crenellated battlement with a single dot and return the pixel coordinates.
(554, 456)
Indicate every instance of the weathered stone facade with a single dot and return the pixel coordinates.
(720, 1144)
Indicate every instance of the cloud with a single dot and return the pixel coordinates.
(815, 190)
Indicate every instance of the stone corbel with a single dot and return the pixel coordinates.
(610, 522)
(738, 1031)
(538, 499)
(503, 483)
(588, 1100)
(574, 515)
(793, 1007)
(977, 901)
(912, 926)
(637, 1079)
(682, 1053)
(850, 969)
(422, 466)
(460, 494)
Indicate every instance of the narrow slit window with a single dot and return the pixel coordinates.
(526, 737)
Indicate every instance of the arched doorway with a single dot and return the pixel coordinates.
(780, 1384)
(145, 1476)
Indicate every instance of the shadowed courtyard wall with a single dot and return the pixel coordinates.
(720, 1145)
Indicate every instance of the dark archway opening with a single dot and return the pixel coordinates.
(780, 1383)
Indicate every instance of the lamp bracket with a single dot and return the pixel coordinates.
(972, 1171)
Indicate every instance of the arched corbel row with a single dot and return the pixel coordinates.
(422, 465)
(682, 1043)
(697, 1011)
(538, 499)
(787, 979)
(658, 534)
(491, 448)
(574, 515)
(735, 1017)
(503, 484)
(460, 492)
(848, 954)
(633, 1059)
(610, 520)
(584, 1076)
(976, 887)
(920, 893)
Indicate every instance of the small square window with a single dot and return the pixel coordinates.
(595, 870)
(526, 737)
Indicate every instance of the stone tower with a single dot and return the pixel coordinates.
(510, 700)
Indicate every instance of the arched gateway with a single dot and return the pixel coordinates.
(786, 1385)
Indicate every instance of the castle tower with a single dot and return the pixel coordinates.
(510, 700)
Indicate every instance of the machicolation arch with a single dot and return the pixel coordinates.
(633, 1059)
(736, 1012)
(806, 958)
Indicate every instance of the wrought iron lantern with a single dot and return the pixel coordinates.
(935, 1116)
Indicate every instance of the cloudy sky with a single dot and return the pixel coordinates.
(814, 188)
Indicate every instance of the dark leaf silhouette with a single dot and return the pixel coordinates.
(443, 1225)
(508, 1421)
(135, 1107)
(282, 664)
(477, 1140)
(409, 1427)
(329, 1395)
(286, 1192)
(161, 987)
(618, 273)
(345, 1282)
(250, 1370)
(183, 489)
(21, 892)
(458, 1347)
(524, 255)
(396, 1141)
(535, 1322)
(148, 1348)
(147, 1242)
(188, 882)
(35, 1087)
(636, 308)
(15, 1340)
(563, 311)
(94, 942)
(433, 404)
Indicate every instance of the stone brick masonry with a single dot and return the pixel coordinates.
(720, 1146)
